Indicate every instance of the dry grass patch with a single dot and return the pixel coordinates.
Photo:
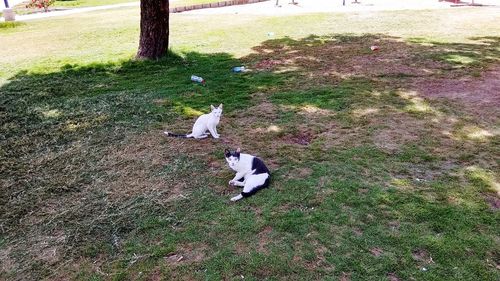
(493, 201)
(264, 239)
(187, 253)
(478, 96)
(399, 129)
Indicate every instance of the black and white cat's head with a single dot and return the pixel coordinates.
(217, 111)
(232, 157)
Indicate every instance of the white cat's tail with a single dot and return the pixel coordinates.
(177, 135)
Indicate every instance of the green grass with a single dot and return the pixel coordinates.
(88, 3)
(6, 25)
(371, 179)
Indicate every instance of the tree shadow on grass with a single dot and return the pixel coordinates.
(85, 166)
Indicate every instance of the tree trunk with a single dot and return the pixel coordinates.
(153, 42)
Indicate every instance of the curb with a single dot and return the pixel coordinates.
(213, 5)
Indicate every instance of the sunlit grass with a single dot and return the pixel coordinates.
(483, 178)
(459, 59)
(203, 33)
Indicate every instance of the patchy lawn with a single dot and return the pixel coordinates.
(385, 164)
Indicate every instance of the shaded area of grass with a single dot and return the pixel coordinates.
(371, 178)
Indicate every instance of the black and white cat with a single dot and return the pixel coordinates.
(204, 123)
(251, 173)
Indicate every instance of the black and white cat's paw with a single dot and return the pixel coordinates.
(236, 198)
(236, 183)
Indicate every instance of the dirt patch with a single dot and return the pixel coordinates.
(357, 231)
(363, 190)
(394, 225)
(155, 275)
(301, 138)
(422, 256)
(318, 262)
(479, 96)
(346, 276)
(264, 239)
(376, 251)
(399, 130)
(186, 254)
(393, 277)
(174, 259)
(241, 248)
(492, 200)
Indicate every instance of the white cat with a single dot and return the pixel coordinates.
(204, 123)
(251, 173)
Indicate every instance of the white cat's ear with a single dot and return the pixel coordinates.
(220, 106)
(212, 107)
(238, 150)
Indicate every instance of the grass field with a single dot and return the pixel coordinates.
(90, 3)
(21, 9)
(382, 169)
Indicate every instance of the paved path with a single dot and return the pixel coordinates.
(72, 11)
(269, 8)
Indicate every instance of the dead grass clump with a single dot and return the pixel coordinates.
(187, 254)
(393, 277)
(422, 256)
(346, 276)
(376, 251)
(301, 138)
(357, 231)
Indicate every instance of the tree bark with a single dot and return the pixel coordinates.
(153, 41)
